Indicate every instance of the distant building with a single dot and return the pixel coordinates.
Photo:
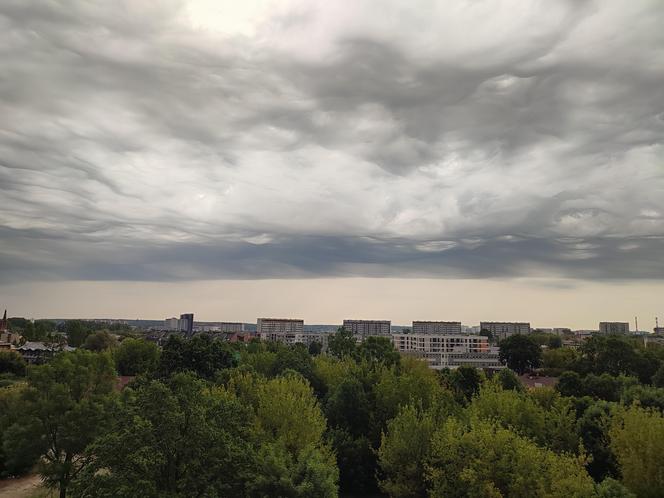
(613, 327)
(449, 351)
(658, 330)
(502, 330)
(37, 353)
(231, 327)
(422, 327)
(186, 323)
(269, 329)
(172, 324)
(562, 331)
(361, 329)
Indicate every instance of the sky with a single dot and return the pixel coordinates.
(459, 160)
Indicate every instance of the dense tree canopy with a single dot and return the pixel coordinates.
(520, 353)
(214, 419)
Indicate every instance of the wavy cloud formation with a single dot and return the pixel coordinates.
(207, 139)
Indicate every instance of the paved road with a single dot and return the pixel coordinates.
(19, 488)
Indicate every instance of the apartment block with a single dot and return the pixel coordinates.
(272, 329)
(449, 351)
(234, 327)
(613, 327)
(422, 327)
(361, 329)
(502, 330)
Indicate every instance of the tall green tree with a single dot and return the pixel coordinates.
(136, 356)
(76, 331)
(11, 362)
(99, 341)
(637, 439)
(482, 460)
(341, 343)
(172, 438)
(379, 349)
(520, 353)
(66, 406)
(404, 451)
(201, 355)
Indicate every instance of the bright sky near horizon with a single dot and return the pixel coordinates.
(459, 160)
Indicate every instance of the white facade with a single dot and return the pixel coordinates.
(613, 327)
(171, 324)
(361, 329)
(422, 327)
(271, 329)
(449, 351)
(502, 330)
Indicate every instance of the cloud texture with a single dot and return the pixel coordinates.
(179, 140)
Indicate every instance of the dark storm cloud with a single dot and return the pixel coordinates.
(153, 142)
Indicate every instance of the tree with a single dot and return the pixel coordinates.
(379, 349)
(508, 380)
(315, 348)
(658, 378)
(76, 332)
(341, 343)
(520, 353)
(65, 409)
(201, 355)
(99, 341)
(637, 439)
(482, 460)
(466, 381)
(593, 428)
(136, 356)
(11, 362)
(14, 463)
(403, 452)
(172, 438)
(294, 460)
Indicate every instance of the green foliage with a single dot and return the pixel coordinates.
(65, 406)
(136, 357)
(482, 460)
(99, 341)
(610, 488)
(77, 332)
(379, 349)
(605, 386)
(637, 439)
(12, 462)
(173, 438)
(520, 353)
(310, 473)
(201, 355)
(466, 382)
(553, 426)
(288, 413)
(508, 380)
(593, 428)
(658, 377)
(315, 348)
(559, 360)
(12, 362)
(341, 343)
(356, 460)
(403, 452)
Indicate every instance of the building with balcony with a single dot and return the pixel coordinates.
(502, 330)
(361, 329)
(422, 327)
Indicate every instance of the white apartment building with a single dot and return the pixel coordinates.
(449, 351)
(422, 327)
(272, 329)
(502, 330)
(613, 327)
(171, 324)
(361, 329)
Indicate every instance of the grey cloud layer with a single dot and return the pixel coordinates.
(478, 139)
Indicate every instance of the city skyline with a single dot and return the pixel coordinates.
(477, 160)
